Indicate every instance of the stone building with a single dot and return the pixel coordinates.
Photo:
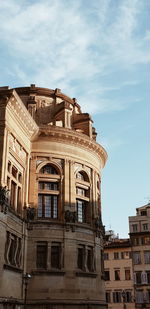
(118, 273)
(51, 233)
(140, 243)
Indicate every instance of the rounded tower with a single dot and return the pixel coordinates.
(65, 231)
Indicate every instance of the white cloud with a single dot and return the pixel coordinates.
(69, 45)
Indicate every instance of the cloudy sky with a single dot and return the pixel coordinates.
(99, 52)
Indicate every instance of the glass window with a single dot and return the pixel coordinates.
(80, 176)
(128, 296)
(138, 277)
(81, 211)
(147, 257)
(48, 169)
(117, 297)
(136, 257)
(139, 297)
(41, 255)
(145, 226)
(108, 297)
(117, 274)
(145, 240)
(56, 255)
(106, 256)
(127, 274)
(14, 171)
(80, 191)
(107, 275)
(90, 259)
(47, 206)
(134, 227)
(81, 258)
(116, 255)
(143, 213)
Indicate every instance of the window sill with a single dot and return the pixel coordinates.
(48, 272)
(13, 268)
(86, 274)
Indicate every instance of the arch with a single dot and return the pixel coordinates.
(52, 163)
(82, 175)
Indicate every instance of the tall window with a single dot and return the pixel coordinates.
(14, 184)
(48, 192)
(117, 274)
(82, 197)
(56, 255)
(41, 255)
(137, 257)
(117, 297)
(127, 274)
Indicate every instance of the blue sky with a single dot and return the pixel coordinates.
(99, 52)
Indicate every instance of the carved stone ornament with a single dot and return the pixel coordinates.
(4, 199)
(70, 216)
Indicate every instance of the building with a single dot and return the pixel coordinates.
(50, 220)
(118, 273)
(140, 241)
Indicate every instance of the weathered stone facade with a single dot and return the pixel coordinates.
(50, 220)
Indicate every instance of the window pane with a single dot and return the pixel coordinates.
(40, 206)
(48, 205)
(48, 169)
(117, 274)
(55, 256)
(41, 258)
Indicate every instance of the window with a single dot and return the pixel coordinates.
(56, 255)
(47, 206)
(125, 255)
(148, 277)
(147, 257)
(48, 196)
(128, 297)
(108, 297)
(116, 255)
(146, 240)
(134, 227)
(137, 257)
(48, 186)
(139, 296)
(80, 191)
(117, 297)
(127, 274)
(90, 258)
(85, 258)
(106, 256)
(81, 258)
(13, 194)
(107, 275)
(143, 213)
(136, 241)
(81, 211)
(80, 176)
(48, 169)
(145, 226)
(41, 255)
(13, 249)
(14, 185)
(138, 277)
(117, 274)
(14, 171)
(82, 197)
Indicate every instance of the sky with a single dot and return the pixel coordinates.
(98, 52)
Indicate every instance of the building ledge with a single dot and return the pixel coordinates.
(13, 268)
(86, 274)
(42, 272)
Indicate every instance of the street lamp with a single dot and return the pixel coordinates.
(26, 278)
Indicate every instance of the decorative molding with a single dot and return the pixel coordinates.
(72, 137)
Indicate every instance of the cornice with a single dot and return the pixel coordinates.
(16, 106)
(70, 136)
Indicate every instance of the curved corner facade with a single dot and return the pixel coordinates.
(51, 224)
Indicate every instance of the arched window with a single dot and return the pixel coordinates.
(48, 192)
(82, 196)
